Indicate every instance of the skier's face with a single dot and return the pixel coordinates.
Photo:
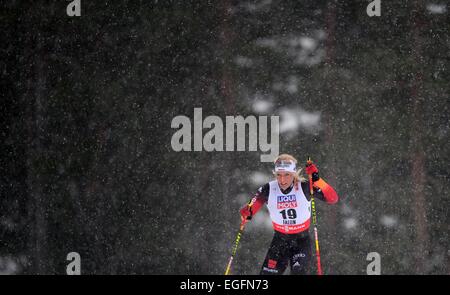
(285, 179)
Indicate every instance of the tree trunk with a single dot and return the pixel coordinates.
(226, 40)
(329, 138)
(416, 148)
(36, 121)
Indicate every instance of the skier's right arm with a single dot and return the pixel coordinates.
(258, 200)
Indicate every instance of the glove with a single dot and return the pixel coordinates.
(246, 213)
(311, 169)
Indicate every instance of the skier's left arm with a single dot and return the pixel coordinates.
(322, 190)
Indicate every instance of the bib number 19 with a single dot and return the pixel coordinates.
(289, 214)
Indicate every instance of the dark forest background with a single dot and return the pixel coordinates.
(87, 104)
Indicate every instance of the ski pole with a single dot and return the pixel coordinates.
(314, 218)
(238, 238)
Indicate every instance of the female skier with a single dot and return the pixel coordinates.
(289, 202)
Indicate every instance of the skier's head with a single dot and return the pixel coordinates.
(286, 170)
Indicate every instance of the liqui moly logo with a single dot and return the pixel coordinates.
(288, 201)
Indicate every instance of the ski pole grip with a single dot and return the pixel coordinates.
(309, 162)
(249, 206)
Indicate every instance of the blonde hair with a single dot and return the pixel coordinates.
(286, 157)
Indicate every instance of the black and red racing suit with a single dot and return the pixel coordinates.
(292, 249)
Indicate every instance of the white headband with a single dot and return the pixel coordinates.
(285, 166)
